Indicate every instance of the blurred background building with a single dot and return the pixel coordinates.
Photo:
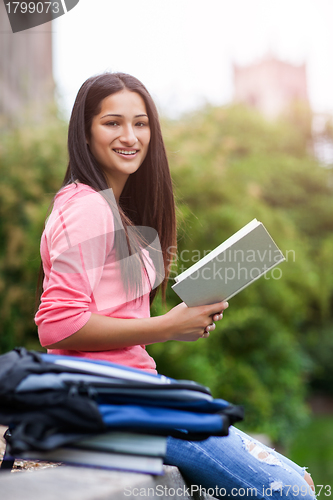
(26, 78)
(273, 87)
(270, 85)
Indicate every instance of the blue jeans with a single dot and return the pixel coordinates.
(239, 467)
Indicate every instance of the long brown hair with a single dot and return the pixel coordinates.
(147, 198)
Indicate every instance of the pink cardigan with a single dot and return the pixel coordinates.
(82, 276)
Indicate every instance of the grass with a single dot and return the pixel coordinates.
(313, 447)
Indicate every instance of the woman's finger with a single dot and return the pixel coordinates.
(220, 306)
(210, 327)
(217, 317)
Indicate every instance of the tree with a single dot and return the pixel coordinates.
(32, 164)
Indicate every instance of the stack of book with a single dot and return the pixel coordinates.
(111, 450)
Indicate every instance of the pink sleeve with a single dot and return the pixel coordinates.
(77, 239)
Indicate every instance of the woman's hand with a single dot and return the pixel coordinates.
(191, 323)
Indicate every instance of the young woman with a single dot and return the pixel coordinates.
(100, 278)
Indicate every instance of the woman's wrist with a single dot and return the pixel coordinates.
(164, 328)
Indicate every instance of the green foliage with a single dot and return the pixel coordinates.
(32, 162)
(229, 165)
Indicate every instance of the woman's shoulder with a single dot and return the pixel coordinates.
(81, 195)
(80, 208)
(82, 202)
(71, 192)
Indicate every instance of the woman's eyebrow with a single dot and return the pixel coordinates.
(121, 116)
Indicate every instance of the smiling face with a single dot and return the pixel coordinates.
(119, 137)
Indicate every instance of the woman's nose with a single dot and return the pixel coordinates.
(128, 136)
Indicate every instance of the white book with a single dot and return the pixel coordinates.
(101, 459)
(125, 442)
(87, 365)
(232, 266)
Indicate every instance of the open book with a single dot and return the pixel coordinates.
(231, 267)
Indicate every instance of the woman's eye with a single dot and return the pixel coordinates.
(141, 124)
(112, 124)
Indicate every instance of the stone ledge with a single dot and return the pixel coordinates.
(51, 482)
(80, 483)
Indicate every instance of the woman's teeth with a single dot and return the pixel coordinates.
(124, 152)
